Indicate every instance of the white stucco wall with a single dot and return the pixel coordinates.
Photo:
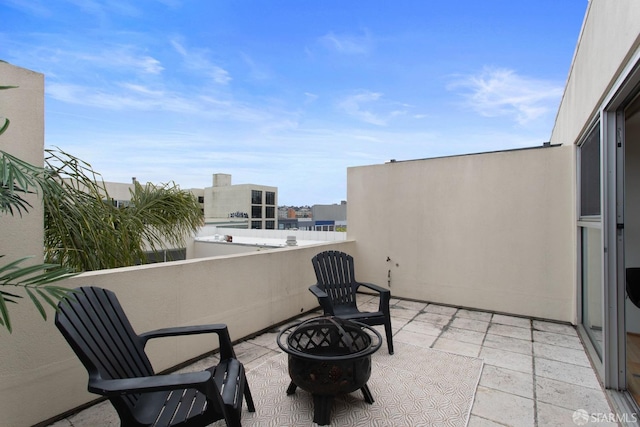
(610, 34)
(24, 106)
(491, 231)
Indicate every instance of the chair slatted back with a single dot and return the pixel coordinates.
(98, 331)
(335, 275)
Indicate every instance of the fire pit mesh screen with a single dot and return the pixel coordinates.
(328, 336)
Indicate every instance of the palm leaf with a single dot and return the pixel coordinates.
(4, 126)
(35, 281)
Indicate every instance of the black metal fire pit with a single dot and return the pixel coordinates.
(329, 356)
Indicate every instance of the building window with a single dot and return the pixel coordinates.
(256, 197)
(590, 174)
(256, 211)
(256, 225)
(270, 225)
(270, 212)
(200, 199)
(590, 238)
(270, 197)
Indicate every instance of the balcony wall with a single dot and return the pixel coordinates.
(24, 106)
(248, 292)
(493, 231)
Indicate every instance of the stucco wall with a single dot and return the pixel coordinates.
(610, 33)
(248, 292)
(491, 231)
(24, 106)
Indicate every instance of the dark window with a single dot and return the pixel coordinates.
(590, 174)
(270, 225)
(270, 212)
(165, 255)
(256, 211)
(200, 199)
(256, 197)
(256, 224)
(270, 197)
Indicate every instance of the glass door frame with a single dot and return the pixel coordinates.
(613, 128)
(593, 221)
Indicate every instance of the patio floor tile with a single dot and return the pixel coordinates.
(473, 314)
(566, 372)
(463, 335)
(423, 328)
(505, 408)
(561, 340)
(435, 318)
(510, 331)
(414, 338)
(440, 309)
(570, 396)
(557, 328)
(457, 347)
(507, 380)
(520, 322)
(502, 342)
(561, 354)
(507, 359)
(470, 324)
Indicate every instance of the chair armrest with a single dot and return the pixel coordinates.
(385, 296)
(323, 299)
(376, 288)
(226, 349)
(116, 387)
(319, 293)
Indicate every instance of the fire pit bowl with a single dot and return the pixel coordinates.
(329, 356)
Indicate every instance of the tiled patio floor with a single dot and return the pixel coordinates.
(535, 373)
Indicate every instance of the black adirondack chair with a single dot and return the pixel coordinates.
(96, 327)
(337, 288)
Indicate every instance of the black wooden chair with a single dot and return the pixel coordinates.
(633, 285)
(96, 327)
(337, 288)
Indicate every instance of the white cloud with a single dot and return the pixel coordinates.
(501, 92)
(256, 71)
(124, 57)
(196, 60)
(34, 7)
(356, 106)
(370, 107)
(348, 44)
(310, 98)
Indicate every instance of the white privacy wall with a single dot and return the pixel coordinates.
(492, 231)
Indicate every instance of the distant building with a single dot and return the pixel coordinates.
(330, 217)
(240, 206)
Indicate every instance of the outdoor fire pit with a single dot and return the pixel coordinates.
(328, 357)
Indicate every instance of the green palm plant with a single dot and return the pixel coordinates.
(85, 231)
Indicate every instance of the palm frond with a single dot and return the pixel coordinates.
(17, 178)
(36, 281)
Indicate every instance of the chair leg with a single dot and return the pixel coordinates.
(389, 334)
(248, 397)
(232, 418)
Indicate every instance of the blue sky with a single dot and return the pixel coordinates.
(290, 93)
